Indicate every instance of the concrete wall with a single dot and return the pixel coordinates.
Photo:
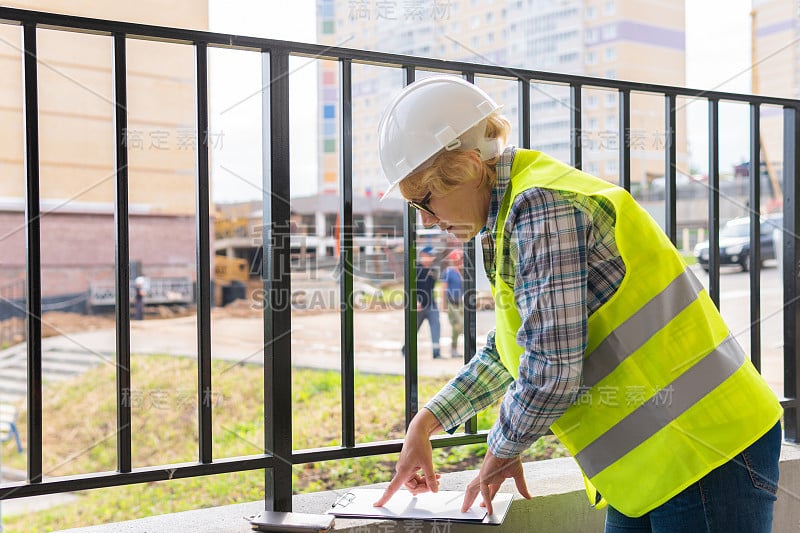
(79, 248)
(559, 505)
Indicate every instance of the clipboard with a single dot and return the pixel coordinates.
(444, 505)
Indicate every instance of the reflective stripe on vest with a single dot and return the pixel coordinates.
(667, 393)
(642, 325)
(660, 410)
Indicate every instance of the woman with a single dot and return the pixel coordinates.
(602, 333)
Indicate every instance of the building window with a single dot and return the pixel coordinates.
(610, 8)
(329, 145)
(610, 32)
(591, 124)
(591, 13)
(611, 74)
(611, 166)
(327, 27)
(328, 111)
(475, 22)
(611, 100)
(611, 53)
(591, 58)
(568, 58)
(591, 101)
(611, 122)
(592, 168)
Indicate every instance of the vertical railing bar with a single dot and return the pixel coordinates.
(670, 170)
(277, 280)
(122, 256)
(576, 126)
(410, 289)
(713, 200)
(625, 139)
(33, 257)
(204, 385)
(524, 112)
(346, 253)
(791, 270)
(470, 294)
(755, 235)
(469, 276)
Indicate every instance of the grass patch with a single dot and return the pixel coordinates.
(80, 424)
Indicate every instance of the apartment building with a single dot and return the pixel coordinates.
(776, 68)
(77, 142)
(641, 41)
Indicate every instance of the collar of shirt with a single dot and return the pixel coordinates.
(503, 169)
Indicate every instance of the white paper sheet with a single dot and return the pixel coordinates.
(442, 505)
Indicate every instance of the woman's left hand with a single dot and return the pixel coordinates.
(493, 472)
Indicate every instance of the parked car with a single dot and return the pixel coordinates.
(734, 242)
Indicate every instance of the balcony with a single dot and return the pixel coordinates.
(561, 505)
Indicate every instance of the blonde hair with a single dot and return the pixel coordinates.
(452, 168)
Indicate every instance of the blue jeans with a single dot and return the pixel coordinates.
(431, 314)
(736, 497)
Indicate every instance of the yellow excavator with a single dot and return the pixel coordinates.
(231, 275)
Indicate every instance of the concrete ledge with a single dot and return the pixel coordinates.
(559, 505)
(787, 508)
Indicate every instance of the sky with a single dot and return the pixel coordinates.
(717, 57)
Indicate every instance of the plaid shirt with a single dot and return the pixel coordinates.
(563, 264)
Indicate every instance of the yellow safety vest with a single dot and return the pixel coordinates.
(668, 394)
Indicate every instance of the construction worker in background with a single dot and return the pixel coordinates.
(453, 300)
(603, 334)
(426, 302)
(138, 309)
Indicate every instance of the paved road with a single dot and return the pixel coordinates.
(735, 307)
(315, 344)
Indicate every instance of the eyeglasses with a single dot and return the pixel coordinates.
(422, 205)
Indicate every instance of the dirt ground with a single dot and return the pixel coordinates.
(58, 323)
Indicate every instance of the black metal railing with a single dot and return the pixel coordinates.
(278, 456)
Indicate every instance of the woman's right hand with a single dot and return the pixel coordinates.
(416, 456)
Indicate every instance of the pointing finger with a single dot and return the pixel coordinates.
(469, 495)
(394, 486)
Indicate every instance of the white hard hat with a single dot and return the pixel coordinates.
(431, 115)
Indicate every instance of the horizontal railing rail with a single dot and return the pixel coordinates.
(278, 456)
